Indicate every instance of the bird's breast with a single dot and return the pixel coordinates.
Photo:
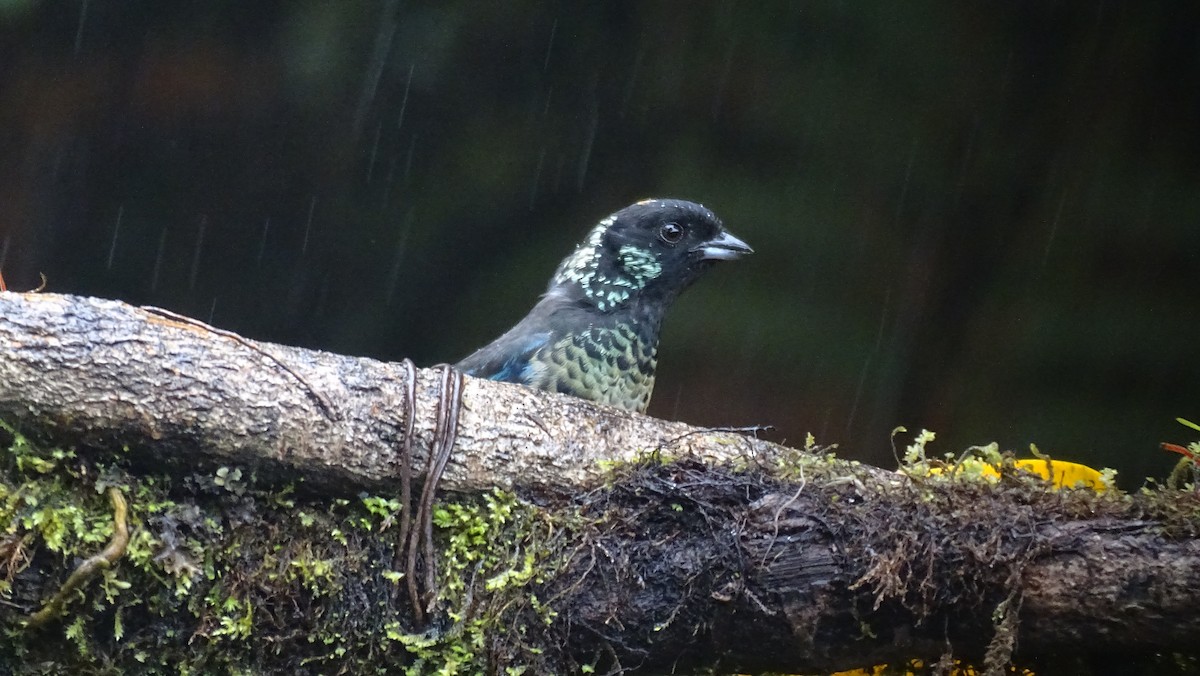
(611, 365)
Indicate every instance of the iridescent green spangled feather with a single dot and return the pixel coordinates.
(611, 365)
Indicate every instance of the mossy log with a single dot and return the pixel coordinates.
(259, 493)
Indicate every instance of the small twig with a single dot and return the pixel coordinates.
(537, 420)
(582, 576)
(41, 287)
(896, 453)
(778, 512)
(762, 607)
(93, 565)
(753, 429)
(13, 557)
(324, 402)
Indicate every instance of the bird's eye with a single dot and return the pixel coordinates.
(670, 233)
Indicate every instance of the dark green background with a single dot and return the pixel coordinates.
(981, 218)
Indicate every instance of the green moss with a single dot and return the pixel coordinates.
(505, 543)
(223, 573)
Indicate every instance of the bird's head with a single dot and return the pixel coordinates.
(649, 250)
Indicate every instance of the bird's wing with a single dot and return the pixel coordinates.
(507, 358)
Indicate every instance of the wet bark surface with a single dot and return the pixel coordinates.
(699, 549)
(102, 372)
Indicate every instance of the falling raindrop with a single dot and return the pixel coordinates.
(212, 310)
(383, 45)
(404, 100)
(1053, 229)
(262, 242)
(408, 160)
(912, 155)
(196, 254)
(550, 45)
(866, 367)
(858, 390)
(374, 151)
(537, 175)
(586, 156)
(633, 77)
(112, 247)
(825, 419)
(968, 151)
(4, 248)
(158, 259)
(312, 206)
(83, 7)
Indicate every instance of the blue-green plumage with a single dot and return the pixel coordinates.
(594, 334)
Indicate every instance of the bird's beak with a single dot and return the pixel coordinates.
(723, 247)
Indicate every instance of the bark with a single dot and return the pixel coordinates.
(102, 372)
(737, 555)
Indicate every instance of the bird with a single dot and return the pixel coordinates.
(594, 332)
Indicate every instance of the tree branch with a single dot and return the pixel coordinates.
(99, 371)
(739, 555)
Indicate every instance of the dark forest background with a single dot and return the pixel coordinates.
(979, 218)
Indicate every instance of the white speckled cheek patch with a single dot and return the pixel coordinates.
(580, 266)
(636, 266)
(642, 265)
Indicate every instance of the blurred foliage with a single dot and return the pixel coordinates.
(979, 218)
